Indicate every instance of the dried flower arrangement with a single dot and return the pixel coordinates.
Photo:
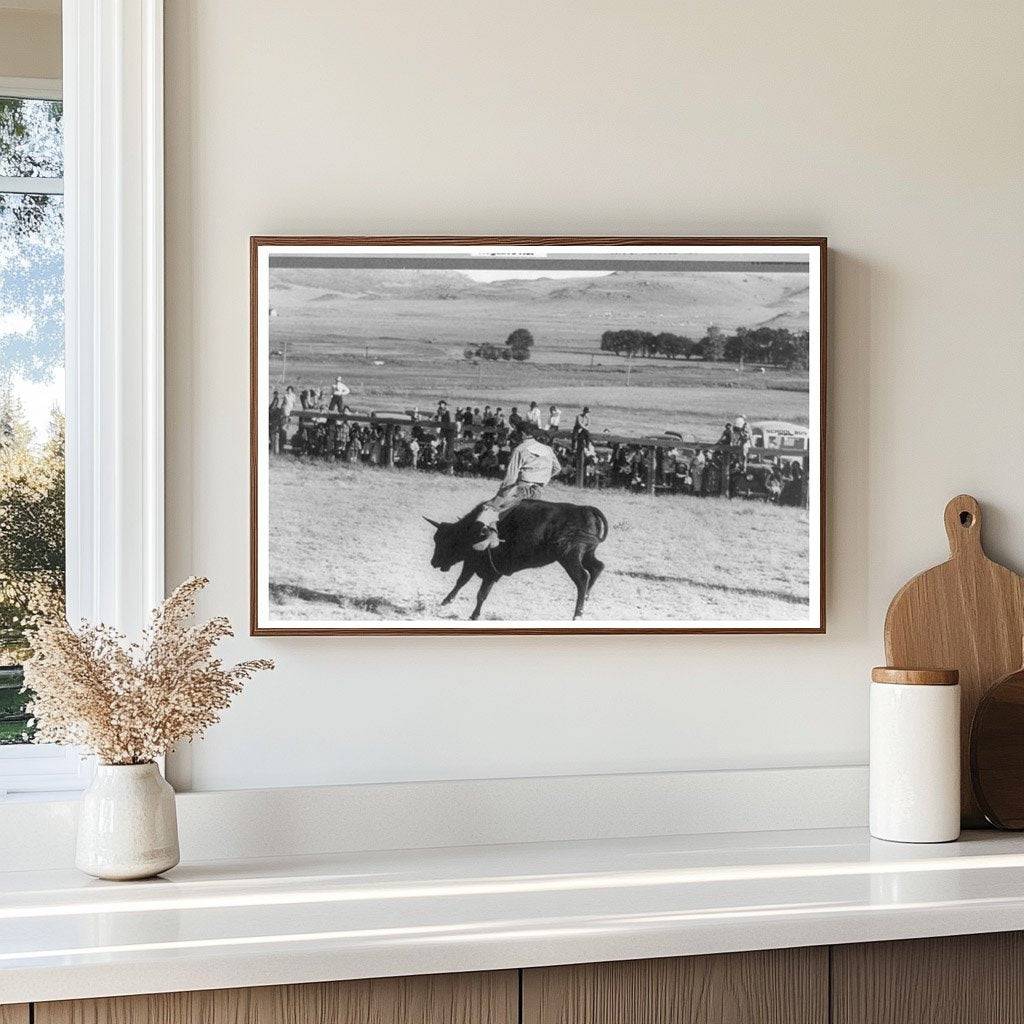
(129, 703)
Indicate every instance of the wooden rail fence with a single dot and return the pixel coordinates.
(392, 422)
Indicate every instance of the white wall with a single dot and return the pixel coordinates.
(30, 39)
(895, 129)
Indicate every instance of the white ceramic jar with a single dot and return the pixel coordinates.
(915, 755)
(127, 825)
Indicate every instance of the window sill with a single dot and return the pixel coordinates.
(44, 771)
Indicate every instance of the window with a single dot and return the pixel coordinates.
(91, 171)
(32, 548)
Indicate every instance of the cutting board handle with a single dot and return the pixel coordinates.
(963, 526)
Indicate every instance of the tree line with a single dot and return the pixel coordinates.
(517, 347)
(31, 523)
(771, 346)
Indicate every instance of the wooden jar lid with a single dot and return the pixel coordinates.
(916, 676)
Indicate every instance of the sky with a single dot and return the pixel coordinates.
(42, 389)
(39, 398)
(31, 266)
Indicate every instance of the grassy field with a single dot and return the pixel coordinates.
(398, 354)
(349, 543)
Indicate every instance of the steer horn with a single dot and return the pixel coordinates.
(433, 522)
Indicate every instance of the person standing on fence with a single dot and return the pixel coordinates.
(742, 437)
(447, 427)
(582, 424)
(338, 393)
(534, 415)
(532, 466)
(554, 418)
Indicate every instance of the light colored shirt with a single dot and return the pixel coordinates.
(554, 419)
(341, 389)
(533, 462)
(288, 404)
(534, 417)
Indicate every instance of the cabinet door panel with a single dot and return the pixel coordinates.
(961, 979)
(778, 986)
(482, 998)
(14, 1013)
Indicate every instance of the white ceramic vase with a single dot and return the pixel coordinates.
(127, 825)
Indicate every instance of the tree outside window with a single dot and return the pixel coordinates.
(31, 386)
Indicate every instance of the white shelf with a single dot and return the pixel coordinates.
(352, 915)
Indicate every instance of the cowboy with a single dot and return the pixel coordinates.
(742, 436)
(532, 466)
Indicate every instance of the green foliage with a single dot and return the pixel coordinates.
(14, 719)
(32, 553)
(488, 352)
(672, 346)
(31, 549)
(772, 346)
(519, 343)
(769, 346)
(31, 142)
(712, 345)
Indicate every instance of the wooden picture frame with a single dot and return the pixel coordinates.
(305, 265)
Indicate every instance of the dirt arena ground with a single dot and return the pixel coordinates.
(349, 543)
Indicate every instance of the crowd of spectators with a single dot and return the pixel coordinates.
(479, 440)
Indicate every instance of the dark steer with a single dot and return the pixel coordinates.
(533, 534)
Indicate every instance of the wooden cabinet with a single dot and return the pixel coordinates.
(491, 998)
(963, 979)
(971, 979)
(778, 986)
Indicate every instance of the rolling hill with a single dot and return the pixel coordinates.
(643, 299)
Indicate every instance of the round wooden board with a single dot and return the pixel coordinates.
(997, 752)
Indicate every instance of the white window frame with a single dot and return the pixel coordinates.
(32, 88)
(114, 325)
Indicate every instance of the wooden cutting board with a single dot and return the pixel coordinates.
(967, 614)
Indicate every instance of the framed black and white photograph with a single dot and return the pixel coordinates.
(537, 435)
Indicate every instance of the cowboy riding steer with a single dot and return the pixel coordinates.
(532, 534)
